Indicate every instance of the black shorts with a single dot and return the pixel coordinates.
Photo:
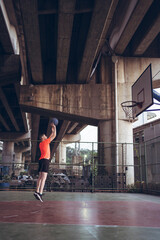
(43, 165)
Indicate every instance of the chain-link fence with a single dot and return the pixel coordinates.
(147, 165)
(83, 166)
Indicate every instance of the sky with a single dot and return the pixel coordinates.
(89, 134)
(88, 139)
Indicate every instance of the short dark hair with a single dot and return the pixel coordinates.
(40, 136)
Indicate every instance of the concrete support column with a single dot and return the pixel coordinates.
(125, 79)
(106, 148)
(113, 133)
(57, 158)
(7, 156)
(62, 147)
(18, 163)
(20, 158)
(62, 155)
(26, 159)
(23, 161)
(23, 158)
(107, 128)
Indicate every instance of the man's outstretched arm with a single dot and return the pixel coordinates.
(53, 134)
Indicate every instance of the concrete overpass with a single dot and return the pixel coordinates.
(68, 59)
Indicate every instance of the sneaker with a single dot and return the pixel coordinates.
(36, 195)
(40, 197)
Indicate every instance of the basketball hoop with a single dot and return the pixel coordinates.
(128, 108)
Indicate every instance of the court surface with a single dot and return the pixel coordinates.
(78, 216)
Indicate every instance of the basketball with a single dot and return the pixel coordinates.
(54, 121)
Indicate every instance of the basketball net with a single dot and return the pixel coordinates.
(128, 109)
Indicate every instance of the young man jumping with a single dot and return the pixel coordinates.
(44, 162)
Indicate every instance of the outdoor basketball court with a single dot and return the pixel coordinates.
(87, 216)
(79, 216)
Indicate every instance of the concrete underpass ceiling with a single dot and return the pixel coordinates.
(60, 42)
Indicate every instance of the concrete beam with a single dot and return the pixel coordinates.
(99, 25)
(60, 135)
(8, 109)
(30, 18)
(23, 149)
(24, 115)
(14, 136)
(75, 128)
(2, 120)
(79, 128)
(132, 25)
(71, 127)
(55, 11)
(65, 23)
(140, 64)
(5, 37)
(10, 28)
(71, 138)
(156, 83)
(148, 38)
(14, 15)
(80, 103)
(10, 69)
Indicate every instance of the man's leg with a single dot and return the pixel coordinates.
(36, 194)
(39, 182)
(40, 185)
(43, 180)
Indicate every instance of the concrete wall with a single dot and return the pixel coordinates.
(128, 71)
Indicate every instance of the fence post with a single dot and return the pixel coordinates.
(140, 161)
(123, 154)
(146, 163)
(93, 168)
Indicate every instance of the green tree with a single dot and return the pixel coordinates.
(69, 153)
